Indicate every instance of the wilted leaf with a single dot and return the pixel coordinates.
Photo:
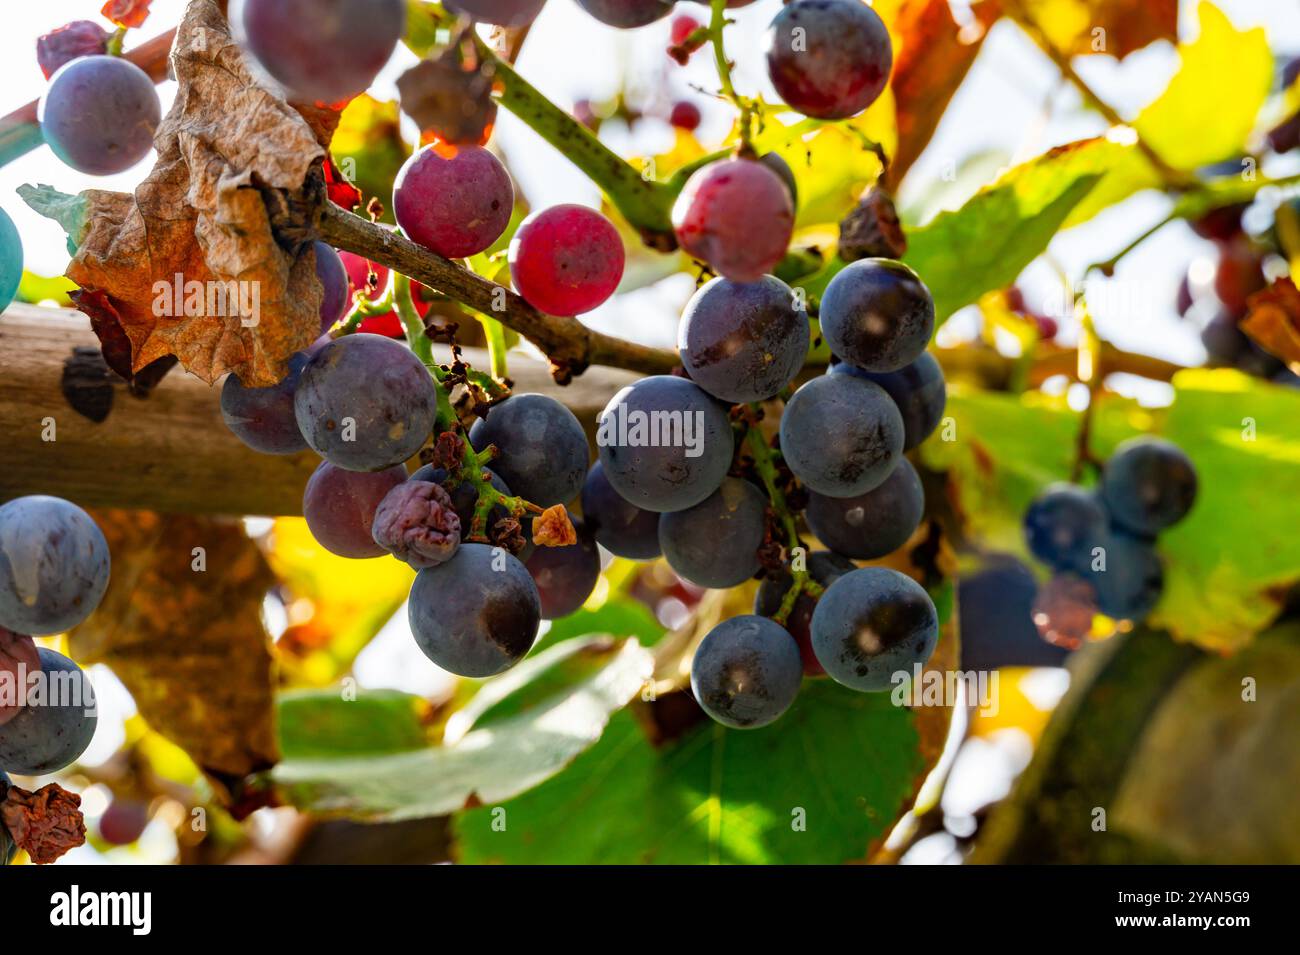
(46, 823)
(181, 626)
(931, 59)
(201, 214)
(450, 96)
(1117, 27)
(496, 750)
(1274, 320)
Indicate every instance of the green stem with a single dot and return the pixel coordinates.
(765, 466)
(645, 203)
(495, 333)
(717, 22)
(114, 45)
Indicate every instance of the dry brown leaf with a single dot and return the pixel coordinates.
(189, 643)
(46, 823)
(1273, 320)
(1087, 27)
(552, 528)
(225, 149)
(126, 13)
(935, 56)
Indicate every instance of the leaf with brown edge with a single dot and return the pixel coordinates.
(227, 149)
(46, 823)
(934, 57)
(187, 642)
(1087, 27)
(1273, 320)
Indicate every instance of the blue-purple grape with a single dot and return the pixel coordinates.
(51, 731)
(477, 614)
(873, 524)
(919, 391)
(621, 527)
(995, 610)
(1133, 579)
(1062, 526)
(746, 672)
(99, 114)
(1148, 485)
(877, 314)
(11, 260)
(542, 449)
(716, 542)
(743, 341)
(627, 14)
(506, 13)
(263, 418)
(54, 565)
(565, 576)
(336, 293)
(841, 435)
(872, 624)
(665, 443)
(321, 50)
(340, 506)
(365, 403)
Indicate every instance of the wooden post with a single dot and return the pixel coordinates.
(169, 452)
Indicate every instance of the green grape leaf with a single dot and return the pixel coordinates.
(513, 738)
(323, 723)
(1228, 563)
(621, 616)
(986, 243)
(822, 784)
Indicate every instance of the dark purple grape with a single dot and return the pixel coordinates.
(716, 542)
(51, 731)
(1133, 579)
(825, 568)
(477, 614)
(453, 200)
(99, 114)
(340, 507)
(542, 449)
(877, 314)
(666, 444)
(506, 13)
(746, 672)
(736, 215)
(263, 418)
(54, 566)
(872, 624)
(995, 608)
(124, 821)
(841, 435)
(321, 50)
(416, 523)
(1148, 485)
(365, 403)
(621, 527)
(829, 59)
(1063, 525)
(919, 391)
(627, 14)
(743, 341)
(873, 524)
(335, 291)
(565, 576)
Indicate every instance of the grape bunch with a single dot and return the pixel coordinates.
(54, 570)
(1100, 543)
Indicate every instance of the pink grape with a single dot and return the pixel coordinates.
(736, 215)
(453, 200)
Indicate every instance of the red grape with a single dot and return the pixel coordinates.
(829, 58)
(683, 26)
(736, 215)
(453, 200)
(340, 507)
(566, 260)
(685, 115)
